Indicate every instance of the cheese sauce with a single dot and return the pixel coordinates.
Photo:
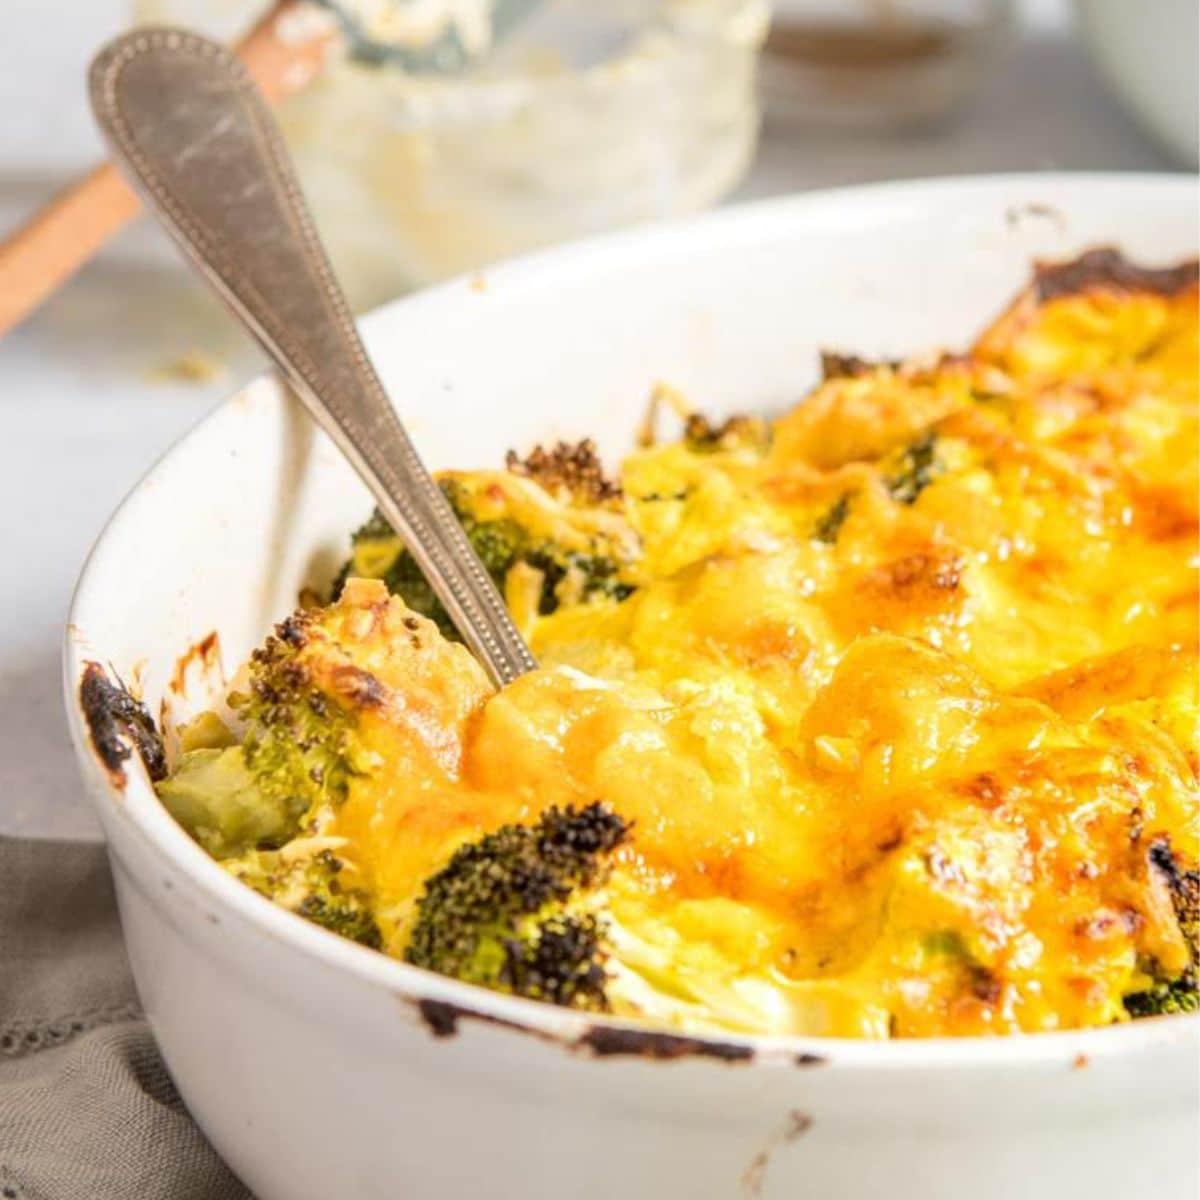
(905, 691)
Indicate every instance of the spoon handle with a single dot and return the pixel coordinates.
(186, 123)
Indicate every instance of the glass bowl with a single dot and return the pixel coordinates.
(593, 114)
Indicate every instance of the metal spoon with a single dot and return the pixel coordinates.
(188, 126)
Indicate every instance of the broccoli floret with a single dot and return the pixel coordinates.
(1184, 886)
(569, 472)
(850, 366)
(701, 436)
(299, 737)
(829, 523)
(214, 795)
(297, 754)
(1164, 999)
(568, 575)
(915, 470)
(315, 886)
(514, 911)
(378, 553)
(1181, 994)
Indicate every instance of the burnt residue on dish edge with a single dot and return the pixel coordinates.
(1107, 267)
(807, 1059)
(115, 718)
(206, 654)
(601, 1041)
(605, 1041)
(442, 1017)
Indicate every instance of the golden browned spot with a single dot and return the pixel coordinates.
(1161, 514)
(359, 687)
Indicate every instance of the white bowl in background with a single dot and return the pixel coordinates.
(1149, 52)
(319, 1068)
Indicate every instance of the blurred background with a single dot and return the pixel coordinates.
(447, 134)
(451, 133)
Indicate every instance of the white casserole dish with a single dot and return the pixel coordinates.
(322, 1069)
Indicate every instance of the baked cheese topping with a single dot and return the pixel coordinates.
(898, 691)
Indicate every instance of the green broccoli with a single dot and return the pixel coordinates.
(214, 795)
(515, 911)
(312, 885)
(829, 524)
(568, 575)
(571, 576)
(297, 754)
(1180, 994)
(299, 739)
(1163, 999)
(916, 469)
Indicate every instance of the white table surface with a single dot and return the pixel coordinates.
(83, 416)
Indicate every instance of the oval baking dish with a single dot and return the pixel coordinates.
(320, 1068)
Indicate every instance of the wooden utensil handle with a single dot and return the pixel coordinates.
(59, 239)
(283, 52)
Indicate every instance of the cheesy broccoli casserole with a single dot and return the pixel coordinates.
(875, 719)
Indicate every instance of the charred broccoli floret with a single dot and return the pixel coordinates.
(515, 911)
(915, 470)
(299, 739)
(298, 751)
(568, 575)
(741, 432)
(835, 365)
(316, 886)
(1181, 994)
(570, 472)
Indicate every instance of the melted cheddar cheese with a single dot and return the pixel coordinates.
(903, 694)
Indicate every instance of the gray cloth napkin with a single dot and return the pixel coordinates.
(87, 1109)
